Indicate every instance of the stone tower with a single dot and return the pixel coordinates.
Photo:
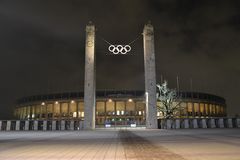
(150, 76)
(89, 81)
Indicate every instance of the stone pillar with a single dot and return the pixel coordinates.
(8, 126)
(62, 125)
(169, 124)
(53, 125)
(212, 123)
(177, 123)
(44, 125)
(89, 82)
(186, 123)
(35, 125)
(195, 124)
(204, 124)
(0, 125)
(72, 125)
(237, 125)
(229, 123)
(26, 126)
(220, 123)
(17, 128)
(150, 76)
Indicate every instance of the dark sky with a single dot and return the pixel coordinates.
(42, 46)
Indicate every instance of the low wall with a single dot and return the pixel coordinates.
(40, 125)
(61, 125)
(185, 123)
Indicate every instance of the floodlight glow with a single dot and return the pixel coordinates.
(43, 103)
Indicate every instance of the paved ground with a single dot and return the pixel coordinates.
(192, 144)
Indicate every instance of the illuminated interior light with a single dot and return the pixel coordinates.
(109, 100)
(43, 103)
(72, 101)
(140, 112)
(56, 102)
(130, 100)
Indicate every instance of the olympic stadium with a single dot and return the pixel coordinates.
(116, 108)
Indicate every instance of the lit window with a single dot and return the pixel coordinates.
(140, 112)
(118, 112)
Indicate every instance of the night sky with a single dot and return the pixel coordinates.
(42, 46)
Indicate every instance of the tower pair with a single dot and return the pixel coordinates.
(90, 78)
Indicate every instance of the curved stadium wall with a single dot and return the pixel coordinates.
(114, 107)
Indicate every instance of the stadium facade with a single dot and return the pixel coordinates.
(115, 108)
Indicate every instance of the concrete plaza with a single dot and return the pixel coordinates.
(182, 144)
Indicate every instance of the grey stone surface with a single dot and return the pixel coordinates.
(89, 81)
(195, 124)
(132, 144)
(17, 125)
(26, 125)
(44, 125)
(186, 123)
(53, 125)
(229, 123)
(150, 76)
(8, 126)
(238, 122)
(71, 125)
(220, 123)
(35, 126)
(0, 125)
(169, 123)
(204, 123)
(177, 123)
(62, 125)
(212, 123)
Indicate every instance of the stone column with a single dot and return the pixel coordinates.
(89, 83)
(26, 126)
(53, 125)
(35, 126)
(44, 125)
(150, 76)
(0, 125)
(17, 128)
(8, 126)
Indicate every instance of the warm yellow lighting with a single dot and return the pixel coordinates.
(140, 112)
(72, 101)
(118, 112)
(109, 100)
(56, 102)
(130, 100)
(43, 103)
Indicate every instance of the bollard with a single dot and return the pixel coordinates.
(195, 125)
(62, 125)
(220, 123)
(186, 123)
(237, 121)
(8, 126)
(212, 123)
(229, 122)
(0, 125)
(169, 123)
(72, 125)
(53, 125)
(35, 125)
(26, 126)
(177, 123)
(204, 123)
(44, 125)
(17, 128)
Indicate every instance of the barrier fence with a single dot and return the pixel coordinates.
(198, 123)
(60, 125)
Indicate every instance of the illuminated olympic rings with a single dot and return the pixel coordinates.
(119, 49)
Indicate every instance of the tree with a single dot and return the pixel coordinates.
(169, 99)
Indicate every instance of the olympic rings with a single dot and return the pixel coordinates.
(119, 49)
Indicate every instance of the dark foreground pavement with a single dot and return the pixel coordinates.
(192, 144)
